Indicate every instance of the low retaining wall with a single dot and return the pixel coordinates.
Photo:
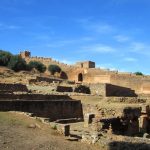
(131, 100)
(13, 87)
(114, 90)
(64, 89)
(54, 110)
(105, 89)
(44, 79)
(32, 97)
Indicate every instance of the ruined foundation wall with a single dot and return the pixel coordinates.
(64, 89)
(32, 97)
(113, 90)
(141, 84)
(44, 79)
(98, 89)
(13, 87)
(105, 89)
(48, 109)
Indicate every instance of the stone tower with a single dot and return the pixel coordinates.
(25, 54)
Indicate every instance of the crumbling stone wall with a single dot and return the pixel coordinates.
(140, 84)
(53, 109)
(64, 89)
(114, 90)
(85, 64)
(44, 79)
(111, 90)
(129, 100)
(32, 97)
(98, 89)
(13, 87)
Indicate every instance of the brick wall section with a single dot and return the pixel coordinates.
(54, 110)
(13, 87)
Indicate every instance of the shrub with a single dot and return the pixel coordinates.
(16, 63)
(53, 69)
(37, 65)
(139, 73)
(4, 58)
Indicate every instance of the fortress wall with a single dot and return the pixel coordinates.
(145, 87)
(91, 78)
(97, 75)
(48, 109)
(133, 82)
(47, 61)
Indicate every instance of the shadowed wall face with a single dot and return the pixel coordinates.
(57, 109)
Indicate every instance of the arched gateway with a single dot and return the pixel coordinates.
(80, 77)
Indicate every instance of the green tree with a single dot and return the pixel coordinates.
(17, 63)
(37, 65)
(4, 57)
(139, 73)
(53, 69)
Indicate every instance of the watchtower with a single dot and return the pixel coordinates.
(86, 64)
(25, 54)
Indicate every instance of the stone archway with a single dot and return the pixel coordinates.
(80, 77)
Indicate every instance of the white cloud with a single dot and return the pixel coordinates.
(139, 47)
(96, 26)
(8, 27)
(106, 67)
(67, 62)
(99, 48)
(130, 59)
(121, 38)
(101, 28)
(61, 43)
(26, 2)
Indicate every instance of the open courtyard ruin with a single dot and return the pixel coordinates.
(103, 108)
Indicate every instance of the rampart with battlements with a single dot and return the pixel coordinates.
(85, 72)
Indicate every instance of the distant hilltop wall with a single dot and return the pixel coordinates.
(46, 61)
(85, 72)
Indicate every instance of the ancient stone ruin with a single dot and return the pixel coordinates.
(101, 104)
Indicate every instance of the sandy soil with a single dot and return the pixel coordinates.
(17, 132)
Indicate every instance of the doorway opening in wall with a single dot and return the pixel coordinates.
(80, 77)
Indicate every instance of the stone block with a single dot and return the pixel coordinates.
(88, 119)
(143, 123)
(63, 129)
(146, 109)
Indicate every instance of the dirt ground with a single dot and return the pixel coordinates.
(19, 132)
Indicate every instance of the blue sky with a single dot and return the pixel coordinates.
(113, 33)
